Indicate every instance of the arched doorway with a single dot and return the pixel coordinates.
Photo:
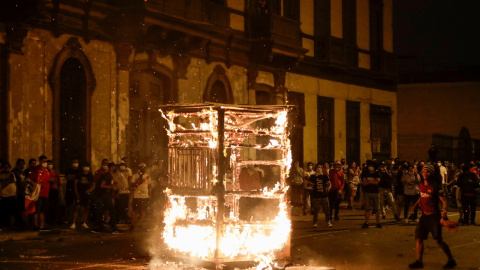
(147, 138)
(72, 82)
(218, 88)
(73, 112)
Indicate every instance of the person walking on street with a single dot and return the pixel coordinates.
(320, 185)
(431, 193)
(370, 181)
(337, 179)
(385, 191)
(410, 179)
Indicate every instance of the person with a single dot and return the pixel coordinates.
(431, 194)
(32, 163)
(385, 191)
(337, 179)
(296, 181)
(70, 176)
(54, 194)
(353, 179)
(8, 201)
(107, 192)
(444, 174)
(432, 153)
(122, 181)
(83, 188)
(468, 182)
(410, 180)
(320, 186)
(370, 181)
(41, 176)
(21, 178)
(141, 186)
(307, 199)
(399, 189)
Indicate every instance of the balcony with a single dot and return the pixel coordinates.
(384, 63)
(280, 30)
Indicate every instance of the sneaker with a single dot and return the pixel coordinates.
(329, 224)
(85, 226)
(379, 225)
(407, 220)
(73, 226)
(397, 218)
(116, 232)
(315, 225)
(416, 265)
(365, 226)
(450, 264)
(95, 231)
(44, 229)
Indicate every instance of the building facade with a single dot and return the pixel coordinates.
(85, 78)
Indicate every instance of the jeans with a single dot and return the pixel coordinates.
(322, 203)
(334, 198)
(469, 204)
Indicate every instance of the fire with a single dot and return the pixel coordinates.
(212, 224)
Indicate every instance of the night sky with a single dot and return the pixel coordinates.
(437, 32)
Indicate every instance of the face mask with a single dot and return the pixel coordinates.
(44, 165)
(439, 164)
(50, 167)
(122, 168)
(310, 167)
(371, 169)
(86, 169)
(105, 167)
(319, 170)
(75, 165)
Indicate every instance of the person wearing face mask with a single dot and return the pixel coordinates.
(21, 178)
(83, 188)
(370, 181)
(320, 186)
(307, 198)
(122, 181)
(141, 186)
(8, 202)
(107, 191)
(40, 176)
(386, 183)
(410, 180)
(337, 179)
(69, 194)
(53, 195)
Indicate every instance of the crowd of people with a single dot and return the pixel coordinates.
(37, 198)
(378, 187)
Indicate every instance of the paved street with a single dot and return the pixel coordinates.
(345, 246)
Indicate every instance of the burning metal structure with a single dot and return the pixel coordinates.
(227, 168)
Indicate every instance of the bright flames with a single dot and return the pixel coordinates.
(192, 222)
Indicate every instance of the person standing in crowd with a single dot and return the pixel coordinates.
(431, 219)
(399, 189)
(107, 194)
(337, 179)
(432, 153)
(141, 185)
(122, 180)
(20, 177)
(320, 186)
(53, 195)
(385, 191)
(353, 179)
(370, 181)
(296, 180)
(444, 174)
(41, 176)
(70, 176)
(8, 201)
(410, 179)
(83, 187)
(32, 163)
(307, 199)
(468, 182)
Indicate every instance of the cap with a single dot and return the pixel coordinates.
(142, 165)
(338, 162)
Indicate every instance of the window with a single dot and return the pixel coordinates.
(322, 18)
(353, 132)
(381, 131)
(297, 121)
(349, 18)
(376, 25)
(3, 102)
(325, 132)
(291, 9)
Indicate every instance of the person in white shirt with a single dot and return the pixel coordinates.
(122, 180)
(443, 173)
(140, 184)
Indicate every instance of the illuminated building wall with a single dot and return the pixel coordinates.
(331, 58)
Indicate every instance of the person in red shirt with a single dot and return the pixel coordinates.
(337, 178)
(54, 194)
(431, 193)
(41, 176)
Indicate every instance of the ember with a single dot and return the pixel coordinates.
(227, 171)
